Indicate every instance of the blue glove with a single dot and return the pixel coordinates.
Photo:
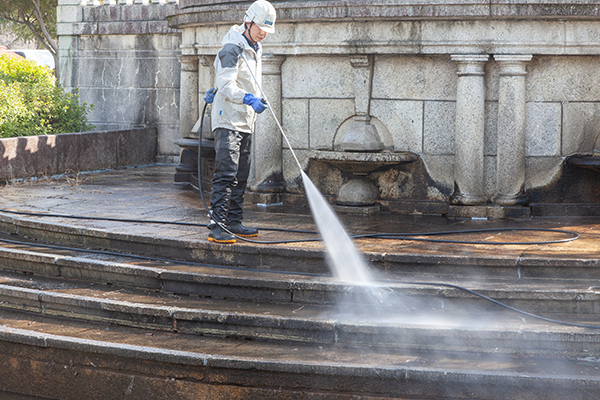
(256, 103)
(210, 95)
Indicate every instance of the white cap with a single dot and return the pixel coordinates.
(262, 13)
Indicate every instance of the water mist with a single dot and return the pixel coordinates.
(343, 258)
(369, 299)
(346, 262)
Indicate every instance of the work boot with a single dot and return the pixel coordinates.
(241, 230)
(218, 235)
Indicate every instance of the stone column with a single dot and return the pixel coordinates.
(267, 158)
(188, 94)
(469, 131)
(188, 115)
(510, 173)
(205, 82)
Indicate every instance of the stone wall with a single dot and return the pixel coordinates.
(71, 153)
(122, 57)
(492, 95)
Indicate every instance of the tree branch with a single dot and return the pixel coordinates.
(52, 47)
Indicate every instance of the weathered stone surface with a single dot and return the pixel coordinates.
(326, 118)
(295, 122)
(563, 79)
(543, 129)
(121, 54)
(75, 152)
(439, 127)
(403, 120)
(580, 127)
(81, 152)
(317, 77)
(28, 156)
(415, 78)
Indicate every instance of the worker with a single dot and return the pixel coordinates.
(237, 101)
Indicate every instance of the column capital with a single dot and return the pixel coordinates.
(513, 64)
(205, 61)
(188, 63)
(470, 64)
(272, 64)
(360, 61)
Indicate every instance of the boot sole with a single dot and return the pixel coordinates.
(221, 241)
(245, 236)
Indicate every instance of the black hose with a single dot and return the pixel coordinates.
(379, 235)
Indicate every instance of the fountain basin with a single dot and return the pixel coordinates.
(582, 161)
(363, 163)
(359, 194)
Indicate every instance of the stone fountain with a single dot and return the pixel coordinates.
(361, 148)
(492, 106)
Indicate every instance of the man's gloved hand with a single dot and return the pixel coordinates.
(210, 95)
(256, 103)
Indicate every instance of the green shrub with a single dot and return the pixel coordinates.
(31, 103)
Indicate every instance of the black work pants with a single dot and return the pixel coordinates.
(232, 166)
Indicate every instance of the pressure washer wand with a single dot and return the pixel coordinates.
(266, 100)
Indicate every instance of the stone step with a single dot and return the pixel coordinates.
(531, 262)
(530, 295)
(71, 359)
(390, 327)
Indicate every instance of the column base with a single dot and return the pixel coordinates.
(188, 166)
(362, 210)
(489, 212)
(510, 199)
(464, 199)
(272, 185)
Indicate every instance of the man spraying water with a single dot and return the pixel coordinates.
(238, 69)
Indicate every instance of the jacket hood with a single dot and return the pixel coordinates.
(236, 36)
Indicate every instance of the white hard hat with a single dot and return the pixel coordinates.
(262, 13)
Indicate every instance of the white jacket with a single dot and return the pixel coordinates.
(234, 81)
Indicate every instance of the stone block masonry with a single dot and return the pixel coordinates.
(404, 63)
(122, 57)
(34, 156)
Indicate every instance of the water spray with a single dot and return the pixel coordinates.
(345, 260)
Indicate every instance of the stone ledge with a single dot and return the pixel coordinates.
(68, 366)
(33, 156)
(116, 28)
(201, 11)
(313, 325)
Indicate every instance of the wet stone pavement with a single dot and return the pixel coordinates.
(148, 193)
(219, 313)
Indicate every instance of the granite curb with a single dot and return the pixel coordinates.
(306, 260)
(322, 376)
(313, 327)
(264, 286)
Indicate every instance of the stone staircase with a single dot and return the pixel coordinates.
(157, 318)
